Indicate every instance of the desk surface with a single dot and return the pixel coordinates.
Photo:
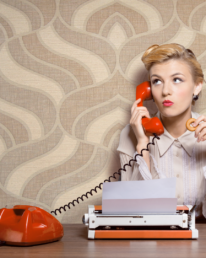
(75, 244)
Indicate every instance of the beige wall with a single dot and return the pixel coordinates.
(68, 72)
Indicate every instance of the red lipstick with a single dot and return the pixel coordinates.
(167, 103)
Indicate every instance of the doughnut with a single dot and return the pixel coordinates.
(189, 127)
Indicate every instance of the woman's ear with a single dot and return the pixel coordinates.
(198, 88)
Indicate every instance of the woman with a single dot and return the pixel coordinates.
(175, 76)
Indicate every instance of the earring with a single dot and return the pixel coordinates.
(195, 97)
(153, 100)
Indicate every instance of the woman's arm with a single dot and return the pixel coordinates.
(137, 113)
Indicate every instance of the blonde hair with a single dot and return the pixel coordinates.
(159, 54)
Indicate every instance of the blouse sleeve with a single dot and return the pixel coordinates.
(138, 169)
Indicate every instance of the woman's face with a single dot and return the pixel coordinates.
(172, 80)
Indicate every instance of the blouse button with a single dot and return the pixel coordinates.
(177, 143)
(177, 175)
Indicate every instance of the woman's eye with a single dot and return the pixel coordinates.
(156, 81)
(177, 80)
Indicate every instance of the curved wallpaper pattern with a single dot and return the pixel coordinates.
(68, 76)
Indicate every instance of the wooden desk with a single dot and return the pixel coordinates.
(75, 244)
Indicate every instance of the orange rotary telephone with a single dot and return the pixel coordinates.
(27, 225)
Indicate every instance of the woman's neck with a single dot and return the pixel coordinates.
(176, 126)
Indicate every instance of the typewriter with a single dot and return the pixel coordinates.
(149, 226)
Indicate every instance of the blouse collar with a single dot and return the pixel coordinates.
(187, 140)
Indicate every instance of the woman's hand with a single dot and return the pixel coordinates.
(136, 121)
(200, 132)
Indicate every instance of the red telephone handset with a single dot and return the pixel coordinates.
(150, 125)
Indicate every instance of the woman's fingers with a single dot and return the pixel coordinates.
(139, 113)
(135, 104)
(202, 135)
(137, 109)
(136, 124)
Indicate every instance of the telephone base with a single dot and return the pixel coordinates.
(25, 225)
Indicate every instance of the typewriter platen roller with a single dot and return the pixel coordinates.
(171, 226)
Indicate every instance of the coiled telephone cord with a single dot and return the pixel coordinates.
(107, 180)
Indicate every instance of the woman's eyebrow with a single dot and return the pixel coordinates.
(171, 75)
(177, 74)
(155, 75)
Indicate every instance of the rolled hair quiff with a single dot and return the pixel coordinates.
(156, 54)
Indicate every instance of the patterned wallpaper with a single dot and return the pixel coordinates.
(68, 74)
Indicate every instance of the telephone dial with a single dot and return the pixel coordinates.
(28, 225)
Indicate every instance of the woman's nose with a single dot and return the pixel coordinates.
(166, 88)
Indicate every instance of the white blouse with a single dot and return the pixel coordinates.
(183, 158)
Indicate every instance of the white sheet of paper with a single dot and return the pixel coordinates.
(139, 197)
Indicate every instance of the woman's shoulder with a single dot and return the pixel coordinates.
(127, 141)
